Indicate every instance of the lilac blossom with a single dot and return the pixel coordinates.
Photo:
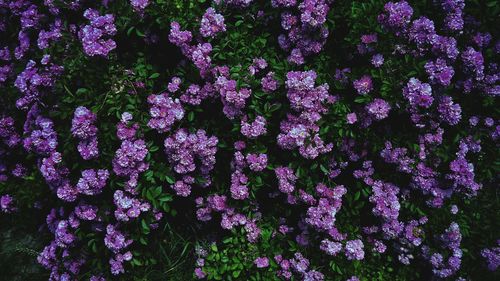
(92, 182)
(269, 83)
(212, 23)
(439, 72)
(254, 129)
(418, 93)
(164, 112)
(95, 36)
(7, 204)
(139, 5)
(354, 250)
(363, 85)
(83, 128)
(378, 109)
(261, 262)
(492, 256)
(286, 178)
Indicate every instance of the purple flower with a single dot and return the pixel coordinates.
(7, 204)
(330, 247)
(422, 32)
(115, 240)
(36, 80)
(261, 262)
(474, 62)
(139, 5)
(164, 112)
(177, 36)
(84, 129)
(257, 65)
(351, 118)
(397, 15)
(234, 100)
(93, 35)
(174, 84)
(86, 212)
(53, 34)
(354, 250)
(199, 273)
(8, 134)
(492, 256)
(92, 182)
(378, 109)
(418, 93)
(212, 23)
(286, 178)
(254, 129)
(239, 3)
(283, 3)
(377, 60)
(269, 84)
(439, 72)
(363, 85)
(257, 162)
(449, 111)
(239, 189)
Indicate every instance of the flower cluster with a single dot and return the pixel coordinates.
(164, 112)
(310, 102)
(35, 81)
(212, 23)
(139, 5)
(95, 36)
(412, 127)
(183, 149)
(450, 240)
(7, 204)
(84, 129)
(234, 100)
(492, 256)
(299, 265)
(254, 129)
(92, 182)
(129, 159)
(306, 33)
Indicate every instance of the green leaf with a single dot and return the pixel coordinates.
(154, 75)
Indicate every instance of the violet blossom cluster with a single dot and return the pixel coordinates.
(92, 182)
(8, 133)
(164, 112)
(130, 158)
(229, 217)
(306, 33)
(212, 23)
(254, 129)
(7, 204)
(450, 240)
(116, 241)
(233, 99)
(454, 14)
(183, 150)
(54, 33)
(492, 256)
(83, 128)
(239, 180)
(139, 5)
(298, 265)
(321, 215)
(310, 102)
(198, 53)
(96, 36)
(36, 81)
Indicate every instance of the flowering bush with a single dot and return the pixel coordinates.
(249, 140)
